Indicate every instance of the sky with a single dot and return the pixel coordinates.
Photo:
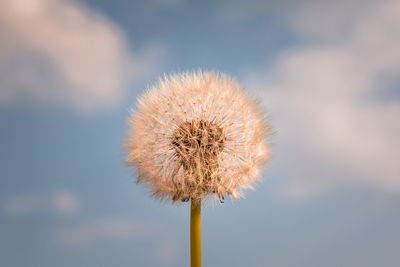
(326, 72)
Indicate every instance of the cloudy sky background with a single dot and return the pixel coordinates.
(327, 72)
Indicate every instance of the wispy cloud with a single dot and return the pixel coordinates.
(83, 235)
(62, 202)
(330, 99)
(65, 202)
(62, 52)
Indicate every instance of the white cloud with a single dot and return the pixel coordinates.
(326, 99)
(106, 229)
(62, 52)
(23, 204)
(62, 202)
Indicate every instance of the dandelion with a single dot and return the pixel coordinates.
(197, 136)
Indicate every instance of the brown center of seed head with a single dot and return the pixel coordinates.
(197, 145)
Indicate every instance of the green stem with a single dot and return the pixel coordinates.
(195, 233)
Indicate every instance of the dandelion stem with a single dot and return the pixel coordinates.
(195, 233)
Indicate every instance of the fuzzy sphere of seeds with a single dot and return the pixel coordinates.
(197, 134)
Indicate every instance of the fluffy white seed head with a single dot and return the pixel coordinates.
(197, 134)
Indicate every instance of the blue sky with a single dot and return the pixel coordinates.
(325, 71)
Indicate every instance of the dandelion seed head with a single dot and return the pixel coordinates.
(195, 135)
